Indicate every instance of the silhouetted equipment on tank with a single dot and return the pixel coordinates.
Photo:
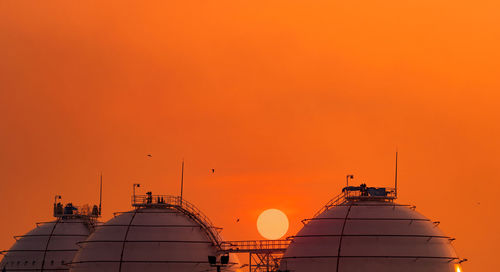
(347, 177)
(149, 197)
(52, 245)
(365, 191)
(160, 233)
(363, 229)
(95, 211)
(69, 210)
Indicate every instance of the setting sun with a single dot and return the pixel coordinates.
(273, 106)
(272, 224)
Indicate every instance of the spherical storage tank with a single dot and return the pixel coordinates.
(364, 230)
(51, 245)
(162, 233)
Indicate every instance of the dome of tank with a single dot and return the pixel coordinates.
(162, 233)
(364, 230)
(51, 246)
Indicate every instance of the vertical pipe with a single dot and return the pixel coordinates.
(250, 262)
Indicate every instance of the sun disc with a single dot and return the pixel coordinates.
(272, 224)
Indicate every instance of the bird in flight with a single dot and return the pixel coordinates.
(237, 220)
(213, 170)
(149, 155)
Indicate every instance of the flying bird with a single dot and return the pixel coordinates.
(237, 220)
(213, 170)
(149, 155)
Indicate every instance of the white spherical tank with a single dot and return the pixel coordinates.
(367, 231)
(163, 233)
(51, 246)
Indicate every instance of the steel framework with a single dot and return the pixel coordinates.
(263, 255)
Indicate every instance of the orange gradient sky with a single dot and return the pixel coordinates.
(282, 98)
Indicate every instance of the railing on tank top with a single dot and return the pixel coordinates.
(387, 193)
(339, 199)
(390, 195)
(167, 201)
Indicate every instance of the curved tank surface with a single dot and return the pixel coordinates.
(362, 230)
(162, 233)
(51, 246)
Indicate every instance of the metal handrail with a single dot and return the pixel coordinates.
(354, 195)
(183, 206)
(255, 245)
(339, 199)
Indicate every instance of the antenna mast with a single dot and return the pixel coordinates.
(182, 180)
(396, 177)
(100, 196)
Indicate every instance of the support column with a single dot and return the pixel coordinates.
(268, 262)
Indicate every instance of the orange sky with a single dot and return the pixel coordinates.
(282, 98)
